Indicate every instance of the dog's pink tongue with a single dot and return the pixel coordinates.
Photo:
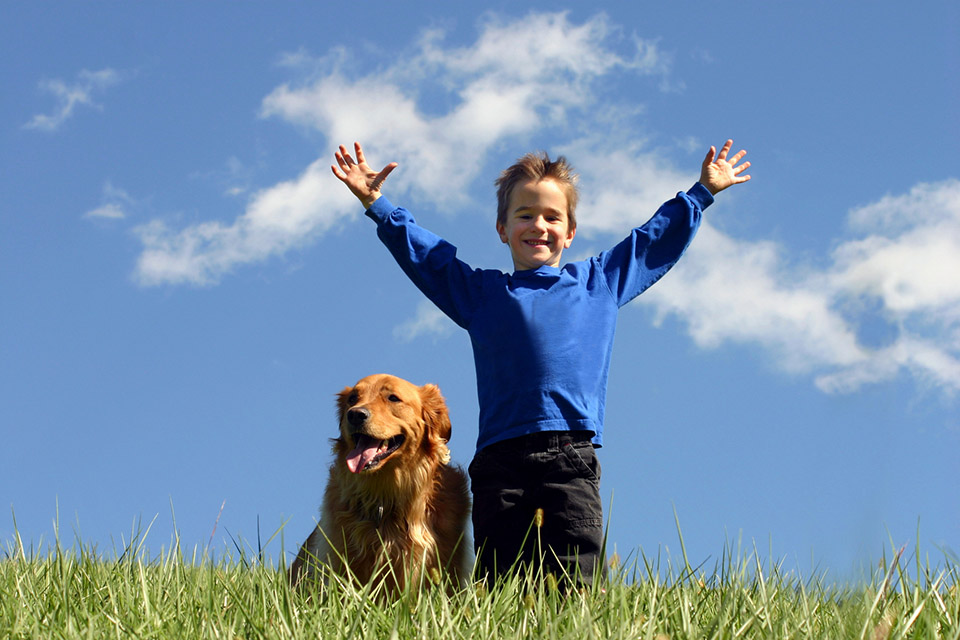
(366, 448)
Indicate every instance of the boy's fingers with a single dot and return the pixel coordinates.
(710, 153)
(360, 158)
(378, 181)
(344, 165)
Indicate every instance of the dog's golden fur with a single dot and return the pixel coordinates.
(393, 507)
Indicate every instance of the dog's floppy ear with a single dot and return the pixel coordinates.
(435, 414)
(342, 403)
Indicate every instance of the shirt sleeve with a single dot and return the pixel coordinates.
(429, 261)
(651, 250)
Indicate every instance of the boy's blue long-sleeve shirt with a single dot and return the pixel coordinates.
(542, 339)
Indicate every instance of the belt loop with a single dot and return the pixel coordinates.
(553, 443)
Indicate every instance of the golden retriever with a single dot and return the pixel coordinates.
(394, 509)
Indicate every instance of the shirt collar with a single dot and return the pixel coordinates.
(545, 270)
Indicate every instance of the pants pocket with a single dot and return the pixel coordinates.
(584, 460)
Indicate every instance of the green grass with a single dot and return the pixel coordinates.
(78, 592)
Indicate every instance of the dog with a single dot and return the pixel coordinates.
(394, 510)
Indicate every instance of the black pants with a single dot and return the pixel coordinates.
(556, 471)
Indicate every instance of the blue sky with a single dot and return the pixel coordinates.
(185, 285)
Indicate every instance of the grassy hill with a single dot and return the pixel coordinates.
(77, 593)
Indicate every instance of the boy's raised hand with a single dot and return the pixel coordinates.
(363, 181)
(718, 172)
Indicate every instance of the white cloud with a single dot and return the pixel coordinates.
(517, 78)
(69, 96)
(541, 47)
(110, 210)
(621, 183)
(727, 290)
(441, 111)
(285, 216)
(428, 321)
(930, 363)
(115, 204)
(910, 263)
(910, 260)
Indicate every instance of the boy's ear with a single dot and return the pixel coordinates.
(569, 240)
(502, 232)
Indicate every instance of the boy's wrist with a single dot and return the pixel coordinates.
(368, 201)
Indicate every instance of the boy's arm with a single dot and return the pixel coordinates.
(362, 180)
(718, 173)
(427, 259)
(653, 248)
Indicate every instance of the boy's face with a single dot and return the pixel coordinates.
(537, 229)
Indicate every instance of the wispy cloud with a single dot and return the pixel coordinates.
(110, 211)
(114, 204)
(71, 95)
(902, 274)
(428, 321)
(285, 216)
(622, 181)
(234, 177)
(494, 92)
(517, 78)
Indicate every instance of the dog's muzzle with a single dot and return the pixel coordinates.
(358, 416)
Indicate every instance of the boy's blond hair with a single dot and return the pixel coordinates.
(538, 166)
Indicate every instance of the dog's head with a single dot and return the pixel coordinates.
(387, 421)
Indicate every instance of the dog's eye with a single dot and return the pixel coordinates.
(352, 398)
(393, 398)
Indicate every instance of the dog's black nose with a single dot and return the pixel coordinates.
(358, 416)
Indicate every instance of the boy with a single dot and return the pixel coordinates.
(542, 339)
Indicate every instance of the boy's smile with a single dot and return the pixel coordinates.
(537, 229)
